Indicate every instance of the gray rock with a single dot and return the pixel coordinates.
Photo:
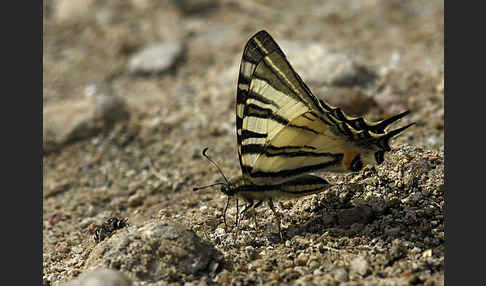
(328, 219)
(369, 283)
(101, 277)
(200, 7)
(73, 10)
(316, 64)
(360, 265)
(340, 274)
(75, 119)
(156, 251)
(360, 214)
(216, 36)
(386, 100)
(352, 102)
(414, 171)
(106, 104)
(156, 58)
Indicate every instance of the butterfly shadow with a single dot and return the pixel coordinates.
(345, 213)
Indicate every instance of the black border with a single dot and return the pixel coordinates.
(22, 105)
(464, 151)
(43, 9)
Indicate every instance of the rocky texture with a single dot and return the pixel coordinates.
(73, 120)
(156, 251)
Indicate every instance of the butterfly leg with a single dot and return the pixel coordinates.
(272, 207)
(250, 204)
(224, 213)
(254, 212)
(258, 204)
(237, 213)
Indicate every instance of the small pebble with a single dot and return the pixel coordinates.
(156, 58)
(101, 277)
(360, 265)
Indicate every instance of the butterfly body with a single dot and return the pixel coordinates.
(304, 185)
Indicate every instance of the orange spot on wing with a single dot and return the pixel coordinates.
(348, 158)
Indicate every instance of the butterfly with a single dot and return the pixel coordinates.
(284, 132)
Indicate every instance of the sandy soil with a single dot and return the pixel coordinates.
(383, 225)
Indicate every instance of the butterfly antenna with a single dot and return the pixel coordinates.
(208, 186)
(214, 163)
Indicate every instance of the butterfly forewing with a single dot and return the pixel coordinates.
(270, 95)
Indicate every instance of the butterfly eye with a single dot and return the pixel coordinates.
(225, 189)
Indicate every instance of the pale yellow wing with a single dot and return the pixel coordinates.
(283, 130)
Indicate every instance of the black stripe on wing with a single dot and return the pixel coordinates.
(267, 113)
(297, 171)
(272, 151)
(245, 134)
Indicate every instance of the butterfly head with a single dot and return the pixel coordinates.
(228, 189)
(234, 186)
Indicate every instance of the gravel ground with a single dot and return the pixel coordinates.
(134, 90)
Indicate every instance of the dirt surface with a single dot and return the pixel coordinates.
(383, 225)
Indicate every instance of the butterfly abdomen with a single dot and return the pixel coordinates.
(293, 188)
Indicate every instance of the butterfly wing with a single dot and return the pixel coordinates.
(283, 130)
